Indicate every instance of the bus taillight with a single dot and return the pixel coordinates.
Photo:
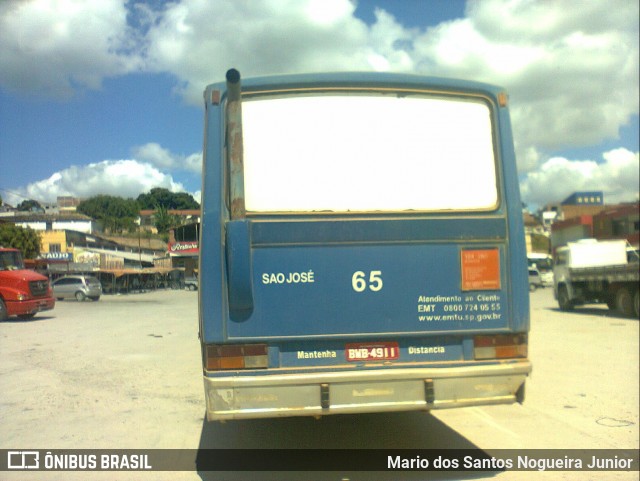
(236, 356)
(502, 346)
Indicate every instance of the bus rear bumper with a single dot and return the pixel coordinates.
(384, 390)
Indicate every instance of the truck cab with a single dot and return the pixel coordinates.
(23, 292)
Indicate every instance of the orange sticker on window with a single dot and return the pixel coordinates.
(480, 269)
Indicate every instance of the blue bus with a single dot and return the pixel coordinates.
(362, 246)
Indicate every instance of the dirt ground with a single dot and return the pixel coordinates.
(124, 372)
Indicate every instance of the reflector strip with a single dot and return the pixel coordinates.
(256, 362)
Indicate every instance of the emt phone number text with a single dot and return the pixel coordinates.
(489, 307)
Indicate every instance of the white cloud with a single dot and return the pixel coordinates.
(618, 176)
(154, 154)
(193, 163)
(162, 158)
(124, 178)
(198, 41)
(572, 73)
(52, 48)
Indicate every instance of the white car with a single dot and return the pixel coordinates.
(535, 279)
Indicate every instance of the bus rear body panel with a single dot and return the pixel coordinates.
(353, 264)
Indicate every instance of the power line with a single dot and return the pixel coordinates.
(16, 194)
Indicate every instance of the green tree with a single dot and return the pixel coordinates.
(26, 240)
(30, 206)
(114, 213)
(163, 221)
(161, 197)
(540, 243)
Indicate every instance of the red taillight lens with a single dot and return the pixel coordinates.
(236, 356)
(500, 346)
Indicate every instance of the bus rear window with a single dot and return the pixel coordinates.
(368, 153)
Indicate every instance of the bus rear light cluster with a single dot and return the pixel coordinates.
(236, 356)
(502, 346)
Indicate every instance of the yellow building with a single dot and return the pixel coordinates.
(54, 245)
(54, 241)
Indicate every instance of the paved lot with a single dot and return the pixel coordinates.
(124, 372)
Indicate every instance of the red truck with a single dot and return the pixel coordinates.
(23, 292)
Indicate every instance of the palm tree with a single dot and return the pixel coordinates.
(163, 220)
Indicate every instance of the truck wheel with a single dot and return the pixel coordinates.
(624, 302)
(563, 299)
(4, 315)
(80, 296)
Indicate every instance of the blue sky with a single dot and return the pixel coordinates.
(105, 97)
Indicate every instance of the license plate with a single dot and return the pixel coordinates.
(379, 351)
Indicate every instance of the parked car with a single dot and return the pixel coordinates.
(191, 283)
(78, 287)
(535, 279)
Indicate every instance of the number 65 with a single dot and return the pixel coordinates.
(359, 283)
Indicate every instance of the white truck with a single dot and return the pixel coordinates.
(591, 271)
